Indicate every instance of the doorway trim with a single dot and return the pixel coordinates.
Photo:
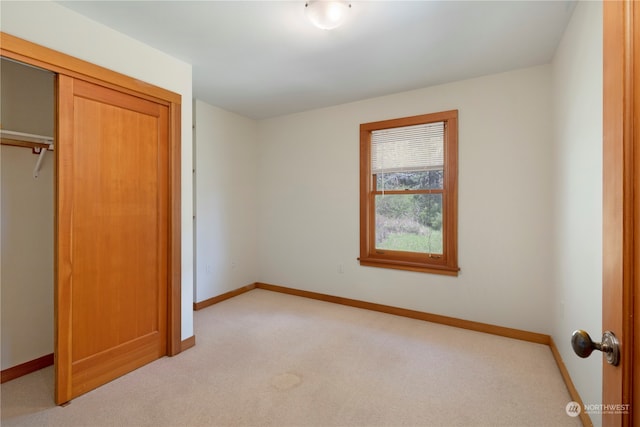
(39, 56)
(621, 208)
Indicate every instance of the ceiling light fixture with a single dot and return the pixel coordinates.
(327, 14)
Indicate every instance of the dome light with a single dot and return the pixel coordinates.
(327, 14)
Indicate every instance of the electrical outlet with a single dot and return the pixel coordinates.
(340, 268)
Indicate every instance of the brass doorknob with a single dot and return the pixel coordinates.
(583, 345)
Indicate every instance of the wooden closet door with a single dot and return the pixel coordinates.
(112, 235)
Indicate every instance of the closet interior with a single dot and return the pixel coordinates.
(27, 206)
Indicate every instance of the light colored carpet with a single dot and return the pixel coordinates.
(268, 359)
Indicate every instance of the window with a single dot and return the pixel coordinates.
(408, 193)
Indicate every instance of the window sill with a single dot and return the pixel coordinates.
(409, 266)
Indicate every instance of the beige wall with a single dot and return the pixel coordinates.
(226, 207)
(26, 275)
(577, 159)
(308, 220)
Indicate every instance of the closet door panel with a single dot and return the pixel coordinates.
(112, 219)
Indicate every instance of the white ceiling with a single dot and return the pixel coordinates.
(263, 58)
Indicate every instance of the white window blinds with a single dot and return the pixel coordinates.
(408, 148)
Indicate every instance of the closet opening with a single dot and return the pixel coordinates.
(27, 178)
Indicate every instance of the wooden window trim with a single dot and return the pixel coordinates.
(447, 264)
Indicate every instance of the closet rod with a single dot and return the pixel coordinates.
(27, 137)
